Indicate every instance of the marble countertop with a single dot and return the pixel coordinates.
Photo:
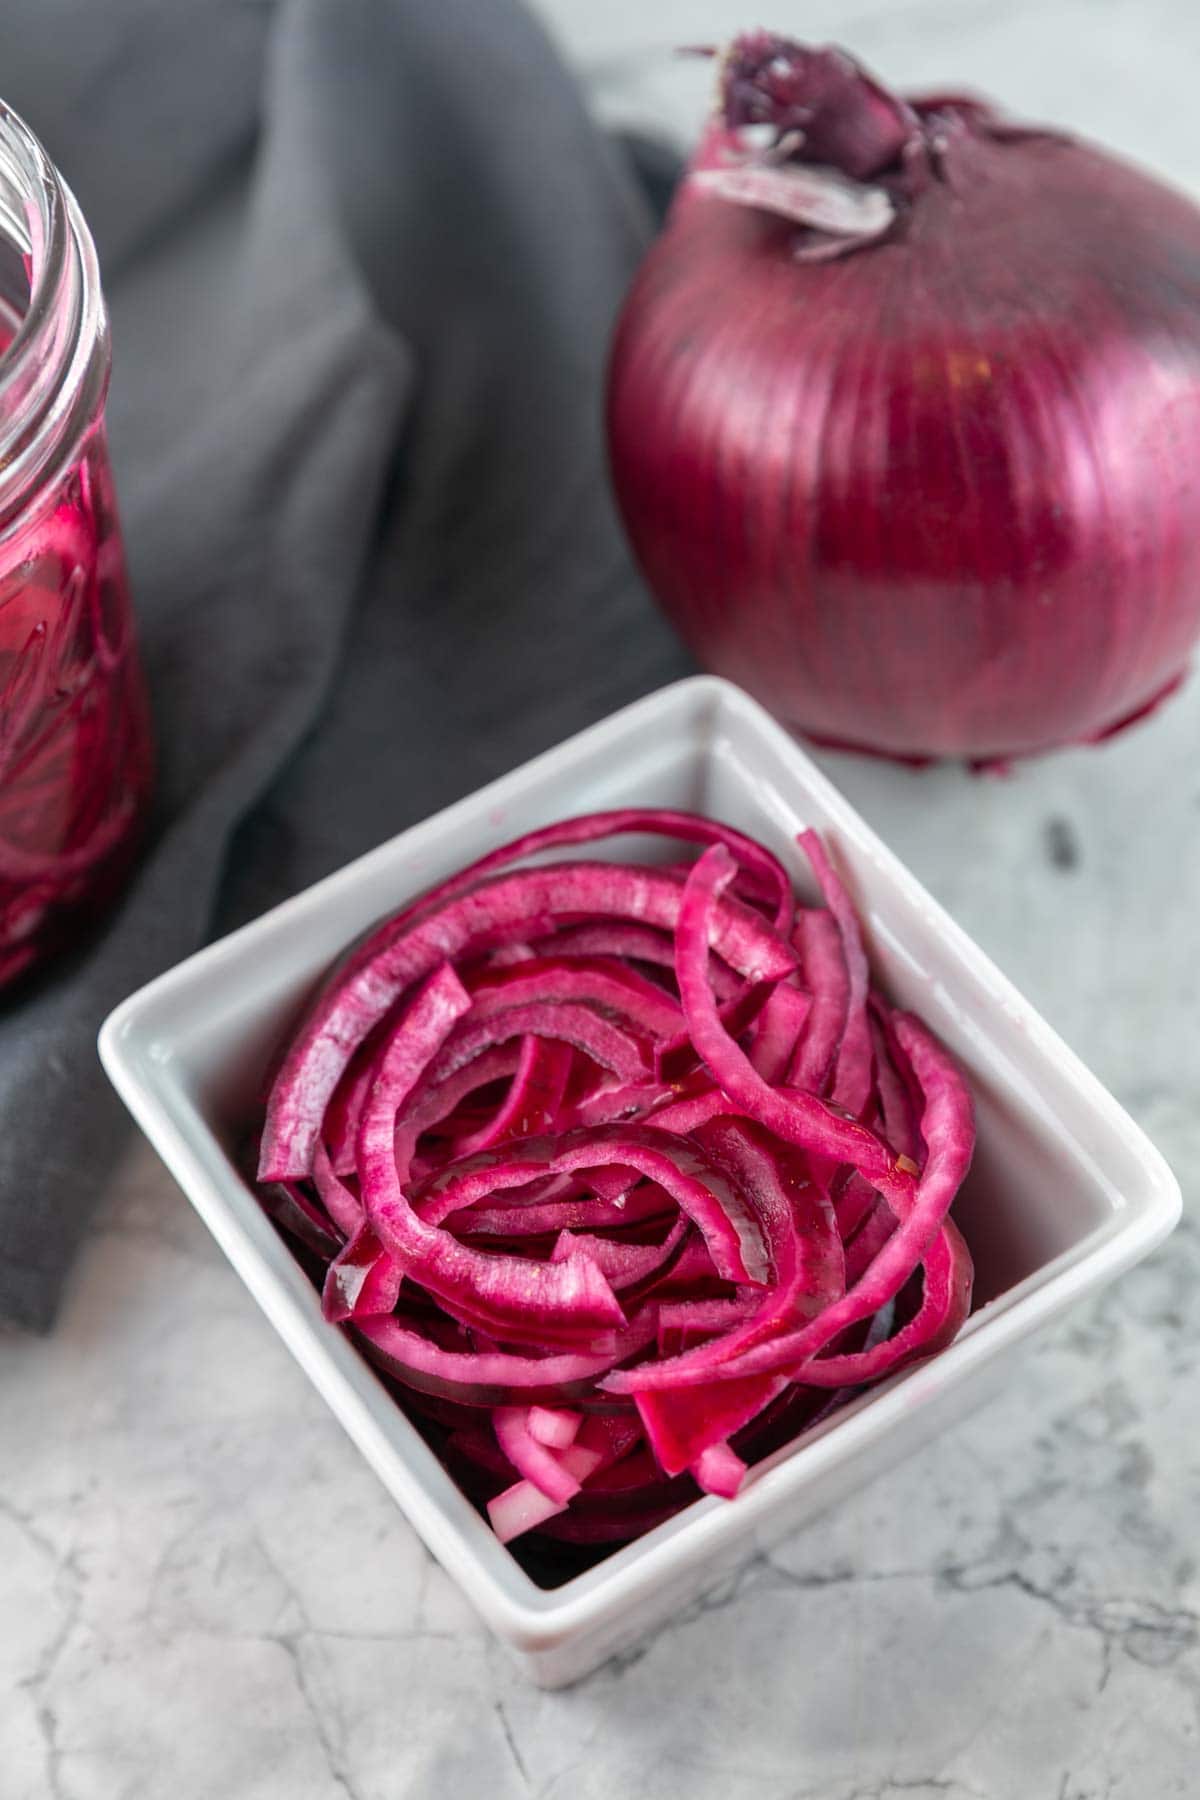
(205, 1593)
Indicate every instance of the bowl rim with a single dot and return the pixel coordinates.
(528, 1616)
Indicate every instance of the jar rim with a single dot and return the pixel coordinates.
(54, 371)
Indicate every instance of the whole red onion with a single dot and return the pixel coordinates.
(904, 416)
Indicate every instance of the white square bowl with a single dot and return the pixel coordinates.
(1066, 1192)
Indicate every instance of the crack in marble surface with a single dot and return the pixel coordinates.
(921, 1786)
(510, 1740)
(1147, 1632)
(291, 1643)
(341, 1778)
(66, 1574)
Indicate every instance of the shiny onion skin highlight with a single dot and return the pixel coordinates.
(907, 437)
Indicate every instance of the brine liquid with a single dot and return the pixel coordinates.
(75, 764)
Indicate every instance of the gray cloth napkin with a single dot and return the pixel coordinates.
(362, 261)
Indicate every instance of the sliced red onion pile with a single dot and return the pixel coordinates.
(624, 1173)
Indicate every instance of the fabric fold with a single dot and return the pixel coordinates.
(362, 264)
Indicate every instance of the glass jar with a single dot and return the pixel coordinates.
(75, 761)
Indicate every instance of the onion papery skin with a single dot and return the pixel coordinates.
(940, 495)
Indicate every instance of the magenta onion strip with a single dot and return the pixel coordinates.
(796, 1117)
(554, 1426)
(823, 969)
(852, 1081)
(531, 1458)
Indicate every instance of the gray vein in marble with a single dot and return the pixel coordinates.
(510, 1740)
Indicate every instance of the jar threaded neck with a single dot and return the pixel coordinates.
(54, 372)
